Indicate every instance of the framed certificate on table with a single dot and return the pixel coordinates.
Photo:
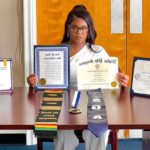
(140, 83)
(52, 67)
(6, 81)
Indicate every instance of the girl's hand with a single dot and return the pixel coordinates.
(32, 80)
(122, 79)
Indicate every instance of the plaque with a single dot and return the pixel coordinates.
(6, 81)
(51, 65)
(140, 82)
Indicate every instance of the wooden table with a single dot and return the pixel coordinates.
(18, 110)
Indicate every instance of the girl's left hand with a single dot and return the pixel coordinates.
(122, 79)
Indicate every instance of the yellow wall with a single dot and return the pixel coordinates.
(51, 16)
(138, 44)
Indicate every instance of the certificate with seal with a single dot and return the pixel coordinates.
(51, 65)
(97, 73)
(140, 83)
(6, 82)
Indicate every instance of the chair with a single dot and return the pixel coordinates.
(112, 139)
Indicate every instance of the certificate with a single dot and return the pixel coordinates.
(6, 84)
(97, 73)
(140, 83)
(51, 64)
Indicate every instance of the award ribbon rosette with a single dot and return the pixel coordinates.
(45, 126)
(96, 113)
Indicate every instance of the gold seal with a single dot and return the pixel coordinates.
(113, 84)
(113, 93)
(42, 81)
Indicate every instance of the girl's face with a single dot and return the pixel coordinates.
(78, 31)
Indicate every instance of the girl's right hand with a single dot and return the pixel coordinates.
(32, 80)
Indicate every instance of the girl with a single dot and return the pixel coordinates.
(80, 34)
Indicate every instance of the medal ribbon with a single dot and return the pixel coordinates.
(76, 99)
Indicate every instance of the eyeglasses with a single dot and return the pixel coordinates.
(75, 29)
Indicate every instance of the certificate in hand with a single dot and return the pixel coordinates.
(97, 73)
(140, 83)
(6, 82)
(51, 64)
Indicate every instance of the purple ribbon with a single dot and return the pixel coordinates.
(96, 113)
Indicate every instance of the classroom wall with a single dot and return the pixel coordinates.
(11, 32)
(11, 25)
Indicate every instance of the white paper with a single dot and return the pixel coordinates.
(141, 77)
(5, 76)
(97, 73)
(51, 67)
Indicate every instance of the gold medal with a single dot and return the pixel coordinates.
(75, 111)
(42, 81)
(113, 84)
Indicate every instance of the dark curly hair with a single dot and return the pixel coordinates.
(80, 11)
